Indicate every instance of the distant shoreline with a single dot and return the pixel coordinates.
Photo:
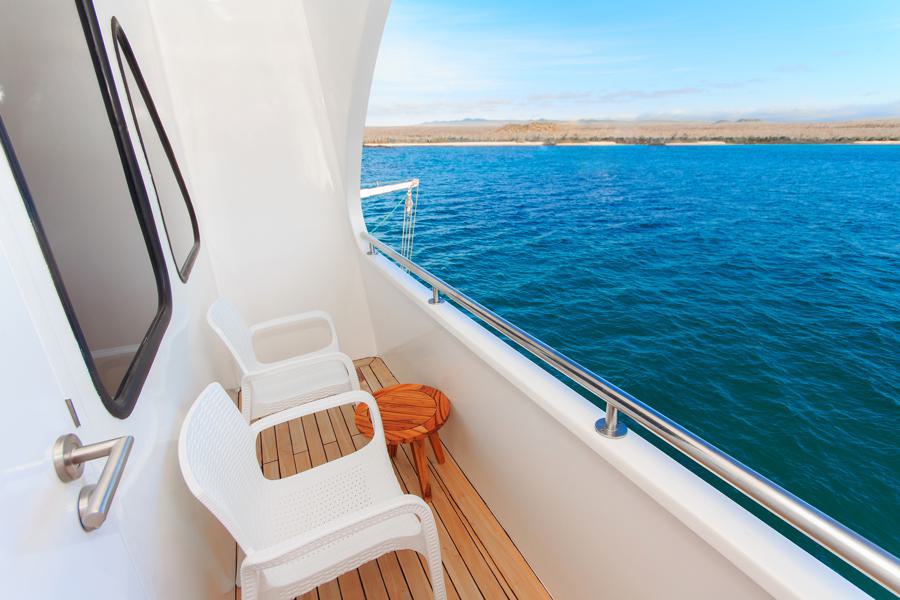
(618, 133)
(501, 144)
(486, 143)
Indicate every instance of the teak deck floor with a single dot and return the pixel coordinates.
(480, 560)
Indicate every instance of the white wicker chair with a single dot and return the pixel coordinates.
(304, 530)
(267, 388)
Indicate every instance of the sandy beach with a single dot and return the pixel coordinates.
(708, 143)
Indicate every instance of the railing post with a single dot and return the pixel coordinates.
(435, 296)
(371, 251)
(610, 426)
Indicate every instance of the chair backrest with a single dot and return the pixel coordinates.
(217, 454)
(225, 319)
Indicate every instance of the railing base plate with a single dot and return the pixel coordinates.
(619, 431)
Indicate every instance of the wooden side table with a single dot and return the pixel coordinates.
(410, 412)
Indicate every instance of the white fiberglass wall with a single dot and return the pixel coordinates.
(271, 101)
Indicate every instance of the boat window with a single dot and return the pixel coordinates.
(171, 192)
(65, 137)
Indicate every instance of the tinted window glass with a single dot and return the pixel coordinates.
(66, 140)
(171, 191)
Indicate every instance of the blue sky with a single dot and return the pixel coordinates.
(571, 59)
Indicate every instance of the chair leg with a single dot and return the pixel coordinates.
(437, 447)
(433, 557)
(422, 467)
(392, 450)
(237, 571)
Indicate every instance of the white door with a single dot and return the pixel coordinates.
(44, 552)
(93, 206)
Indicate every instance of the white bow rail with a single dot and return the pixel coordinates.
(387, 189)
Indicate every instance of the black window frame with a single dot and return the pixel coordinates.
(123, 47)
(122, 403)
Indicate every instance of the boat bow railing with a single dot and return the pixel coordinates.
(870, 559)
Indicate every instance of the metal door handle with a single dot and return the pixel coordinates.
(69, 456)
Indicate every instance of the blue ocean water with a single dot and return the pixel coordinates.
(752, 293)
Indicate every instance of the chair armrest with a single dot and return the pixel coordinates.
(293, 548)
(324, 404)
(297, 319)
(289, 378)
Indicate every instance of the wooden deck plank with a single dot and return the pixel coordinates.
(455, 567)
(416, 574)
(347, 412)
(285, 450)
(475, 561)
(267, 441)
(372, 582)
(498, 573)
(326, 431)
(359, 440)
(479, 546)
(480, 561)
(270, 470)
(351, 586)
(298, 437)
(371, 379)
(302, 462)
(332, 451)
(394, 581)
(384, 375)
(341, 433)
(513, 566)
(313, 441)
(330, 590)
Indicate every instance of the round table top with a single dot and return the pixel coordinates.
(409, 411)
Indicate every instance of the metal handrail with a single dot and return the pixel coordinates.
(870, 559)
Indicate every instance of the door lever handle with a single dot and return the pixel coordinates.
(94, 500)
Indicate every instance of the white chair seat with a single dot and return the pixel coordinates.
(281, 581)
(269, 395)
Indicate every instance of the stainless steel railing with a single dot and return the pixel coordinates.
(870, 559)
